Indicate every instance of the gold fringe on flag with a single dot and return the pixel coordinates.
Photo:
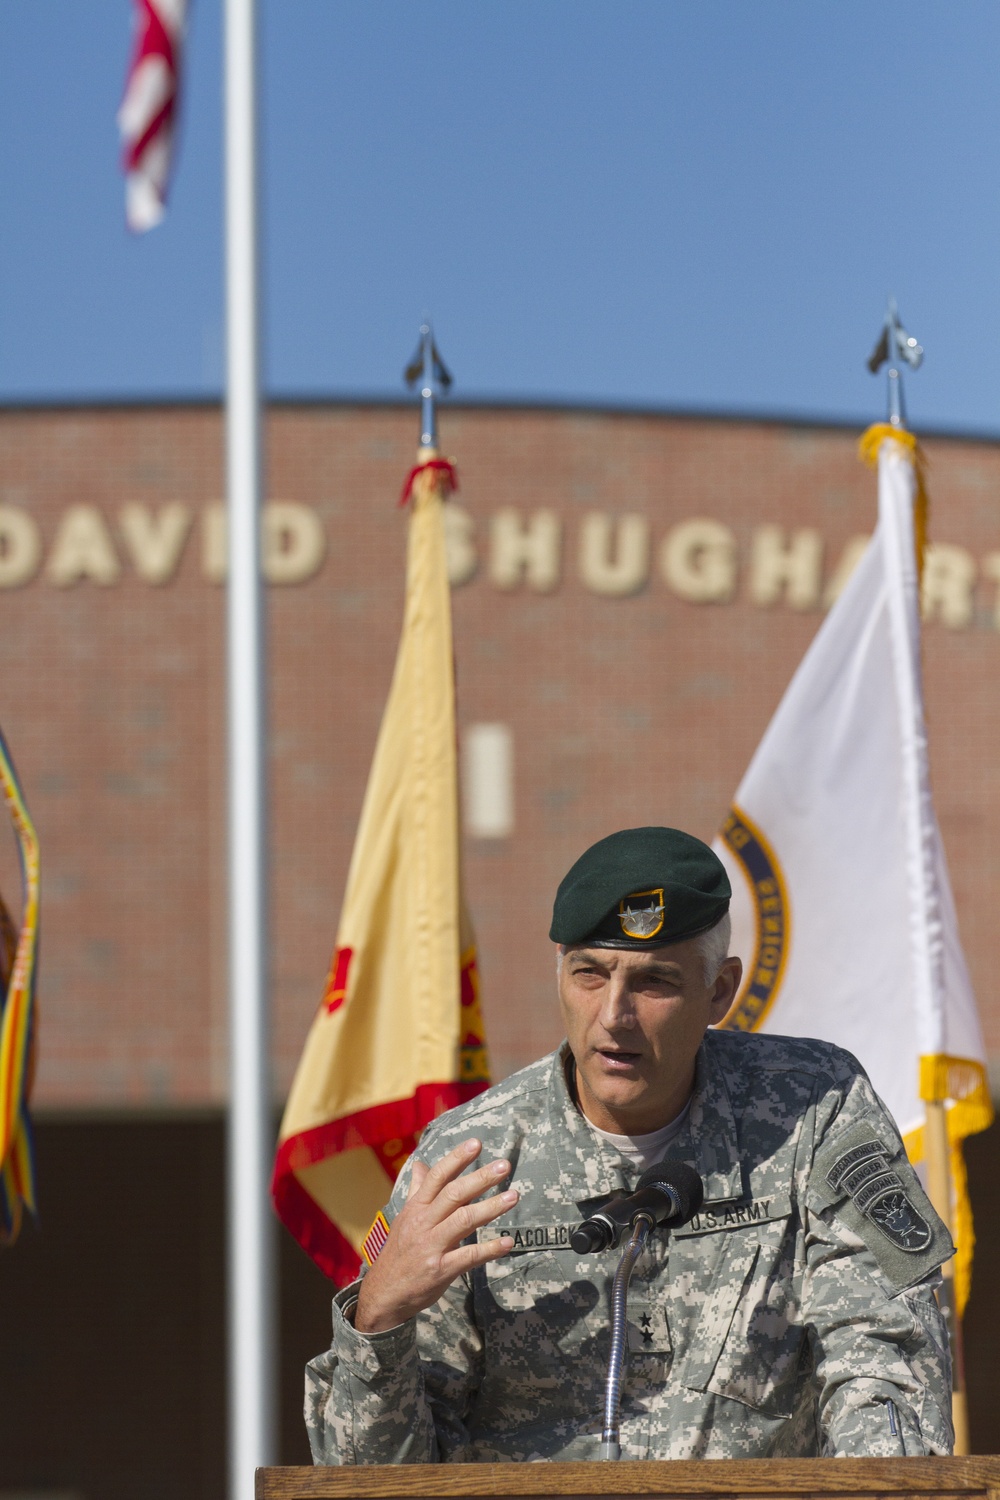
(961, 1084)
(17, 1018)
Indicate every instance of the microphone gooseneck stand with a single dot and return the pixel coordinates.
(670, 1192)
(611, 1434)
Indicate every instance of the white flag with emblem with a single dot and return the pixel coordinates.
(842, 907)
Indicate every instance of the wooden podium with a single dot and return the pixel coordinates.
(709, 1479)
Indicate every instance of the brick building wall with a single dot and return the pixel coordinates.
(578, 625)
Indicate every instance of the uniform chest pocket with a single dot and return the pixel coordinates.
(748, 1344)
(542, 1301)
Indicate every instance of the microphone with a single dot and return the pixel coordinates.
(671, 1192)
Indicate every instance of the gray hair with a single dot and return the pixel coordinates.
(713, 946)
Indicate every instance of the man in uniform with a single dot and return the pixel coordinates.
(794, 1315)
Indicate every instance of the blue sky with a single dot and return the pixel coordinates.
(636, 201)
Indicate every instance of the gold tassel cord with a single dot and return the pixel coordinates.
(962, 1084)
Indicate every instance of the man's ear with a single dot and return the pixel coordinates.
(725, 989)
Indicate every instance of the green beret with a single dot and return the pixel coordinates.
(641, 888)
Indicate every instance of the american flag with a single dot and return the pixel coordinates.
(375, 1238)
(148, 111)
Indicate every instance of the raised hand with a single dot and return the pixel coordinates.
(423, 1253)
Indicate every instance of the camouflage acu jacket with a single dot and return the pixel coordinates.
(795, 1315)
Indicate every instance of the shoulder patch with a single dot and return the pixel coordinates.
(865, 1177)
(879, 1193)
(376, 1237)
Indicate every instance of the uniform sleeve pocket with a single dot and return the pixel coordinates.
(748, 1343)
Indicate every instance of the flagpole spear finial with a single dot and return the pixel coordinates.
(435, 379)
(895, 345)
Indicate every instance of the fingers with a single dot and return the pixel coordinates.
(455, 1197)
(418, 1173)
(467, 1257)
(447, 1187)
(448, 1168)
(424, 1253)
(465, 1220)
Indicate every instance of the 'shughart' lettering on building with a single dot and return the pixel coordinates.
(613, 555)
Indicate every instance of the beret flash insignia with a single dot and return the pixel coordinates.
(645, 919)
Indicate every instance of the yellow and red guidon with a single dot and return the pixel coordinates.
(391, 1130)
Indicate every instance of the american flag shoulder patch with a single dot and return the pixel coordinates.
(375, 1238)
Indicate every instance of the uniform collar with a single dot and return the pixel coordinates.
(709, 1138)
(589, 1167)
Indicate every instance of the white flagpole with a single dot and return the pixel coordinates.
(250, 1299)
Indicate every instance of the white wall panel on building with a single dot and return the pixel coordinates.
(488, 780)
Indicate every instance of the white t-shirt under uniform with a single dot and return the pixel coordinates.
(642, 1151)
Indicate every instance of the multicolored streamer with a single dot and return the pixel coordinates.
(18, 957)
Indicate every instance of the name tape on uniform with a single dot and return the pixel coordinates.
(530, 1236)
(709, 1221)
